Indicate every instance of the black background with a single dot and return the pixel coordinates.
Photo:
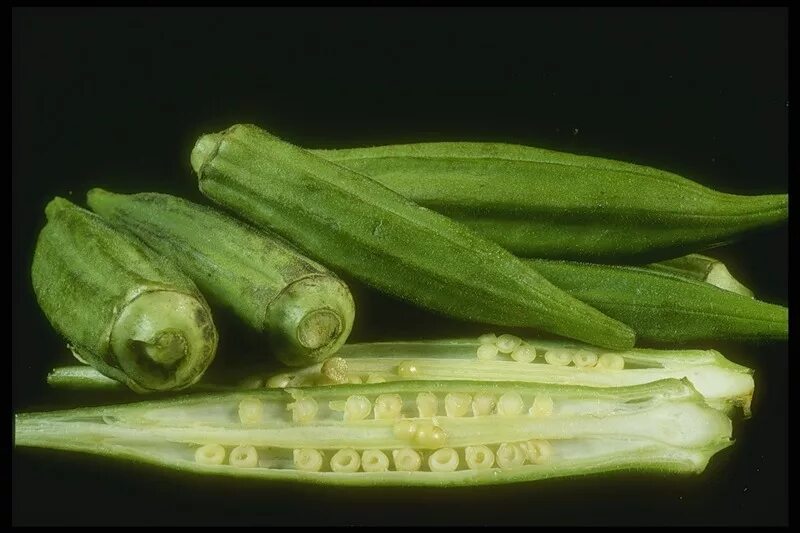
(116, 98)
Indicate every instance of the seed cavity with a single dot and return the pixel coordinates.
(510, 455)
(356, 408)
(308, 460)
(374, 461)
(487, 352)
(524, 353)
(375, 378)
(303, 409)
(542, 405)
(510, 404)
(406, 460)
(427, 404)
(611, 361)
(558, 357)
(407, 369)
(457, 404)
(334, 370)
(388, 406)
(346, 460)
(405, 429)
(243, 456)
(538, 451)
(355, 380)
(487, 338)
(584, 358)
(251, 411)
(443, 460)
(483, 404)
(478, 457)
(508, 343)
(210, 454)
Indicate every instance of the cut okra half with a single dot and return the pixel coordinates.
(491, 357)
(402, 433)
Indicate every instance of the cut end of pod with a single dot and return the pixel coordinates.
(204, 149)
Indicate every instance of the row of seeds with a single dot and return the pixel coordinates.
(491, 347)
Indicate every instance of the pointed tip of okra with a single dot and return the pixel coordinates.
(205, 147)
(57, 204)
(97, 195)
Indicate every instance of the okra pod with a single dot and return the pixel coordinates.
(703, 268)
(305, 310)
(403, 433)
(554, 205)
(352, 223)
(123, 308)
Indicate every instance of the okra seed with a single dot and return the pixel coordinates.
(510, 404)
(457, 404)
(334, 370)
(405, 429)
(611, 361)
(487, 338)
(251, 411)
(538, 451)
(388, 406)
(510, 455)
(210, 454)
(542, 405)
(281, 381)
(374, 461)
(303, 409)
(508, 343)
(427, 404)
(558, 357)
(487, 352)
(406, 460)
(429, 436)
(375, 378)
(346, 460)
(483, 404)
(308, 460)
(524, 353)
(356, 408)
(355, 380)
(244, 456)
(407, 369)
(584, 358)
(443, 460)
(478, 457)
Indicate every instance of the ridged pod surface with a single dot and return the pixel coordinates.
(554, 205)
(123, 308)
(352, 223)
(305, 309)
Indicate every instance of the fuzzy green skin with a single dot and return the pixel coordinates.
(266, 282)
(134, 431)
(554, 205)
(352, 223)
(661, 306)
(85, 273)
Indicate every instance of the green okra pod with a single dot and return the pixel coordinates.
(123, 308)
(703, 268)
(306, 311)
(403, 433)
(554, 205)
(352, 223)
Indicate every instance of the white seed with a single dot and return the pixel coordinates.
(334, 370)
(508, 343)
(584, 358)
(355, 380)
(427, 404)
(558, 357)
(429, 435)
(375, 378)
(407, 369)
(405, 429)
(478, 457)
(510, 455)
(251, 411)
(443, 460)
(388, 406)
(346, 460)
(406, 460)
(487, 352)
(251, 383)
(281, 381)
(308, 460)
(303, 409)
(510, 404)
(374, 461)
(524, 353)
(356, 408)
(487, 338)
(210, 454)
(457, 404)
(538, 451)
(611, 361)
(542, 405)
(244, 456)
(483, 404)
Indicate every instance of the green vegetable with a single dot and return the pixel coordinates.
(703, 268)
(553, 205)
(125, 310)
(351, 223)
(661, 303)
(403, 433)
(305, 309)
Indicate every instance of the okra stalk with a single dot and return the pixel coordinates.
(124, 309)
(352, 223)
(305, 310)
(554, 205)
(404, 433)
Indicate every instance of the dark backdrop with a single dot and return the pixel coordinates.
(116, 98)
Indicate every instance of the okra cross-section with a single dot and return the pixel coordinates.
(402, 433)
